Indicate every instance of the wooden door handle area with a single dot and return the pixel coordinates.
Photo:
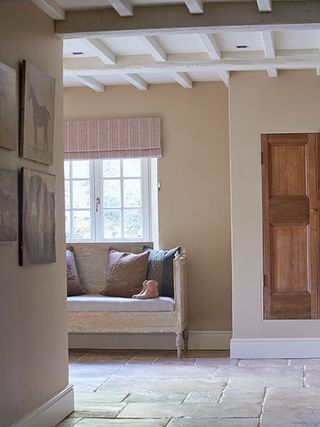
(313, 210)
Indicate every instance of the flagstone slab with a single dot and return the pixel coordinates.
(304, 362)
(69, 422)
(214, 422)
(96, 410)
(142, 397)
(291, 407)
(263, 362)
(156, 371)
(101, 397)
(100, 422)
(215, 361)
(268, 376)
(166, 385)
(205, 396)
(192, 410)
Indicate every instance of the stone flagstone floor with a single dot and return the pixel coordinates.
(204, 389)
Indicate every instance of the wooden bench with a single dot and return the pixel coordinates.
(95, 314)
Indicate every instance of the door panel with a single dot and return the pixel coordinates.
(290, 225)
(290, 243)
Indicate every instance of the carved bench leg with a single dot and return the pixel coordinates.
(186, 339)
(179, 345)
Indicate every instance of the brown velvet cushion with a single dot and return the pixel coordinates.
(126, 273)
(73, 282)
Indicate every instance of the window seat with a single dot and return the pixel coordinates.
(102, 303)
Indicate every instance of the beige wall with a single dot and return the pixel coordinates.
(258, 104)
(33, 338)
(194, 175)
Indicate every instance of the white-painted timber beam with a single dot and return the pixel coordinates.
(91, 82)
(51, 8)
(209, 42)
(100, 50)
(123, 7)
(195, 62)
(136, 81)
(154, 48)
(183, 79)
(268, 44)
(167, 19)
(272, 72)
(225, 76)
(264, 5)
(194, 6)
(269, 51)
(318, 71)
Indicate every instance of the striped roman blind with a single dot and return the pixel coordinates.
(112, 138)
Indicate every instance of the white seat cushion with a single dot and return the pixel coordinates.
(108, 304)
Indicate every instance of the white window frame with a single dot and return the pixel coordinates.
(96, 192)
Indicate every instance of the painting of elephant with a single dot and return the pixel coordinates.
(8, 205)
(8, 107)
(37, 218)
(37, 114)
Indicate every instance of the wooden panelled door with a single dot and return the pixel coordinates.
(290, 225)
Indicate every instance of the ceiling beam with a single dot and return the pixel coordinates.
(195, 62)
(209, 42)
(264, 5)
(183, 79)
(136, 81)
(100, 50)
(154, 48)
(91, 83)
(123, 7)
(51, 8)
(272, 72)
(268, 44)
(225, 76)
(219, 17)
(194, 6)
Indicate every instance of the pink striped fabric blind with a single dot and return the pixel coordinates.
(112, 138)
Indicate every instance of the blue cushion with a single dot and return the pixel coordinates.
(160, 269)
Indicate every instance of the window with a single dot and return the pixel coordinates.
(107, 200)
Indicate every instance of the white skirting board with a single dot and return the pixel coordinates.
(198, 340)
(285, 348)
(50, 413)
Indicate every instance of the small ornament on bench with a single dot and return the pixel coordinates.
(150, 289)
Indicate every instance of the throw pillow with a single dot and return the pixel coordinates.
(73, 282)
(160, 269)
(126, 273)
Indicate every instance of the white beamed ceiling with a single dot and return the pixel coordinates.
(158, 61)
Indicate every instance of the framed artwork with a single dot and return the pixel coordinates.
(8, 107)
(37, 218)
(8, 205)
(37, 114)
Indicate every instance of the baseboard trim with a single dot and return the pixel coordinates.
(285, 348)
(50, 413)
(198, 340)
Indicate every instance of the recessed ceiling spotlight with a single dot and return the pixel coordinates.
(77, 53)
(242, 46)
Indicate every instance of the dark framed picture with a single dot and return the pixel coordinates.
(8, 107)
(37, 218)
(8, 205)
(37, 114)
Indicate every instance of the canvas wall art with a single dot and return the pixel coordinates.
(37, 218)
(37, 114)
(8, 205)
(8, 107)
